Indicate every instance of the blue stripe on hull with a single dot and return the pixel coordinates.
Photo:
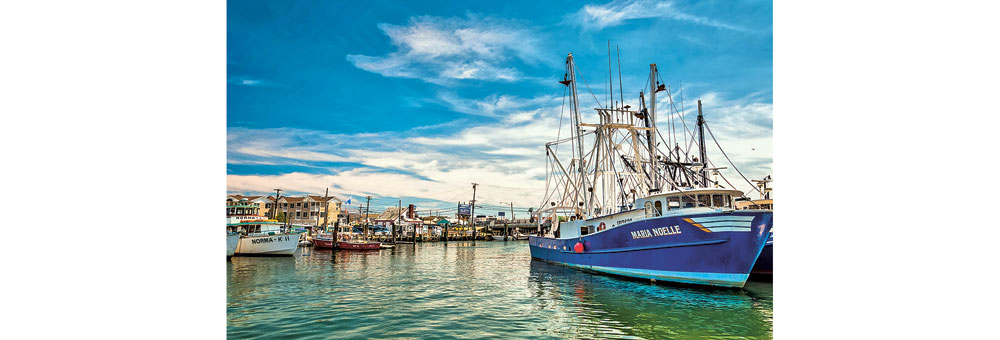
(692, 256)
(714, 279)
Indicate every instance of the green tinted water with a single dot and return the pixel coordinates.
(490, 290)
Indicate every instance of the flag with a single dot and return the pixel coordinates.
(348, 201)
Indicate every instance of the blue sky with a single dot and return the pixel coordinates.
(416, 100)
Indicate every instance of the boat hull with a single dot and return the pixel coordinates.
(714, 249)
(359, 246)
(765, 262)
(322, 242)
(232, 241)
(269, 245)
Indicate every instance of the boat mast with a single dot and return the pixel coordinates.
(651, 124)
(577, 134)
(701, 147)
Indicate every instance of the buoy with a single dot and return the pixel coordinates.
(578, 247)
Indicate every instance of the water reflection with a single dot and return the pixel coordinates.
(609, 307)
(466, 290)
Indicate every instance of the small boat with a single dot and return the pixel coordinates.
(264, 238)
(232, 239)
(359, 245)
(324, 241)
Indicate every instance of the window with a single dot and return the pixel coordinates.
(298, 204)
(687, 202)
(659, 208)
(649, 209)
(586, 230)
(704, 201)
(673, 203)
(717, 200)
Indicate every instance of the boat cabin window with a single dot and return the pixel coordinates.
(649, 209)
(721, 201)
(673, 203)
(659, 208)
(704, 201)
(584, 230)
(687, 202)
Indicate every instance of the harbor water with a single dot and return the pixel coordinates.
(462, 290)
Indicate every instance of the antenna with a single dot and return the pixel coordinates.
(611, 81)
(620, 93)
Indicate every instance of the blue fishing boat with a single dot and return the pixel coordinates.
(620, 205)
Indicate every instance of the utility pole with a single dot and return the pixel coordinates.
(368, 206)
(274, 212)
(472, 213)
(274, 208)
(505, 226)
(399, 221)
(326, 207)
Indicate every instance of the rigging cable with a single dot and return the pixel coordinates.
(731, 162)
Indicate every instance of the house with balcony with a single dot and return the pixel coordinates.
(309, 210)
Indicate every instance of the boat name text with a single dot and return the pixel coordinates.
(267, 240)
(662, 231)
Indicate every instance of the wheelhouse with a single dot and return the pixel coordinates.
(658, 205)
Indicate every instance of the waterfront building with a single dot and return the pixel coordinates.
(240, 205)
(310, 210)
(303, 210)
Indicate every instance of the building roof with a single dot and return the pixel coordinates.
(241, 197)
(389, 214)
(321, 199)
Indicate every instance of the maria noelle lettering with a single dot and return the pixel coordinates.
(662, 231)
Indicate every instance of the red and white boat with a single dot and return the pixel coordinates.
(359, 245)
(326, 241)
(323, 241)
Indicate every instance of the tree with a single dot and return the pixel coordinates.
(280, 217)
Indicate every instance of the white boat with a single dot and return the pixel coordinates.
(232, 239)
(263, 238)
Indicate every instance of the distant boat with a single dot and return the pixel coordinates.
(323, 241)
(625, 207)
(232, 239)
(765, 262)
(264, 238)
(326, 241)
(764, 267)
(359, 245)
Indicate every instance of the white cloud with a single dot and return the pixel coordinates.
(444, 50)
(509, 107)
(618, 12)
(244, 81)
(501, 155)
